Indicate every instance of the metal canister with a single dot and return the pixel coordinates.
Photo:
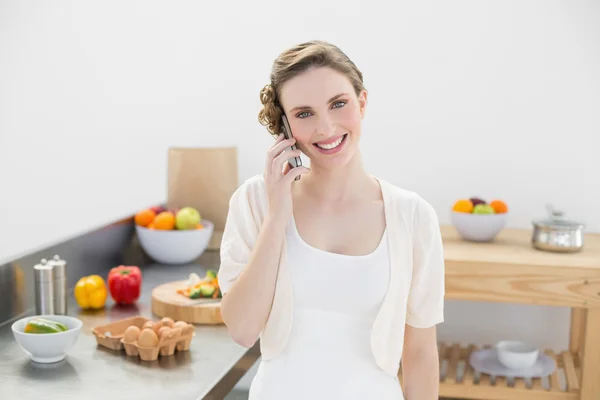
(44, 288)
(60, 285)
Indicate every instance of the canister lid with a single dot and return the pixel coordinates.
(556, 220)
(60, 267)
(43, 272)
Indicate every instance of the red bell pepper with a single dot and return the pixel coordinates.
(124, 284)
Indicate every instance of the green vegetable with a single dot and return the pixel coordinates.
(202, 291)
(207, 290)
(210, 274)
(195, 293)
(61, 326)
(43, 325)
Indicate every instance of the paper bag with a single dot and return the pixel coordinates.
(203, 178)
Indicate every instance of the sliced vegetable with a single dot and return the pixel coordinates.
(210, 274)
(43, 325)
(194, 293)
(197, 288)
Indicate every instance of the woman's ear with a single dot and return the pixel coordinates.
(362, 103)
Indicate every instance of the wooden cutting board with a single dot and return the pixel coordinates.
(166, 302)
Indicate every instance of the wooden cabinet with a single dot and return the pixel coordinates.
(510, 270)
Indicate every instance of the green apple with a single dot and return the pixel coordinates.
(187, 218)
(483, 209)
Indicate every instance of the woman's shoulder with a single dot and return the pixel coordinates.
(253, 184)
(408, 203)
(251, 192)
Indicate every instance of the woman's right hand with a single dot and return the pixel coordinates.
(279, 177)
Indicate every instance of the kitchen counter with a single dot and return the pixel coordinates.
(93, 372)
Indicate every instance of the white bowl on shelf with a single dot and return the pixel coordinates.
(47, 347)
(174, 247)
(478, 227)
(514, 354)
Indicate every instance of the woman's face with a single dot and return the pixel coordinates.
(325, 115)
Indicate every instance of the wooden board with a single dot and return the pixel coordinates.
(512, 247)
(166, 302)
(510, 270)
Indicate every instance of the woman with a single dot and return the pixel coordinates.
(340, 274)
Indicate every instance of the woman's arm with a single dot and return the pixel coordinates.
(250, 257)
(245, 308)
(420, 364)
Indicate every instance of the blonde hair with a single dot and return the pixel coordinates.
(295, 61)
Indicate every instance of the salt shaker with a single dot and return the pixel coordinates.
(44, 288)
(60, 285)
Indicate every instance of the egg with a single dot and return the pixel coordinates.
(166, 321)
(180, 324)
(190, 329)
(132, 334)
(165, 333)
(156, 326)
(147, 324)
(148, 338)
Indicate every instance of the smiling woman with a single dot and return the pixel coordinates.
(340, 274)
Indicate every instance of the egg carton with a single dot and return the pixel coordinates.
(112, 336)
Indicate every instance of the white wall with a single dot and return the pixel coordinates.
(466, 98)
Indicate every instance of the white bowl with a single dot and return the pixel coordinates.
(47, 347)
(516, 355)
(478, 227)
(175, 246)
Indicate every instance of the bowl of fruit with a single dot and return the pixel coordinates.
(477, 220)
(173, 236)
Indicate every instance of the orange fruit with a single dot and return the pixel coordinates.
(151, 226)
(499, 206)
(145, 217)
(463, 206)
(199, 226)
(164, 221)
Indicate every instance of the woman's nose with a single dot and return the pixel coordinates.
(324, 126)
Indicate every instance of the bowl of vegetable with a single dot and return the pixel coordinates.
(46, 338)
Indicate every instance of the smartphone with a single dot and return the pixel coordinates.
(287, 133)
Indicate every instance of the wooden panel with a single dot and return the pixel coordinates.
(513, 247)
(554, 378)
(570, 373)
(468, 377)
(577, 330)
(478, 281)
(453, 358)
(501, 393)
(590, 364)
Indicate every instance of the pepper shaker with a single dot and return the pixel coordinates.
(44, 288)
(60, 285)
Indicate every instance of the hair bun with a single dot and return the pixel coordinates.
(271, 113)
(267, 95)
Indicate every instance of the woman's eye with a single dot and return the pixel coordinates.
(339, 104)
(303, 114)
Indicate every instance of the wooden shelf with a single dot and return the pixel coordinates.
(458, 380)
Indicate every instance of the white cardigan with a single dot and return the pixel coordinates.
(416, 289)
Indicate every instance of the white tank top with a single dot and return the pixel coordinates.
(328, 354)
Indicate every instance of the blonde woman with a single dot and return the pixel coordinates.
(340, 274)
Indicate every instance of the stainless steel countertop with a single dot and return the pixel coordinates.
(93, 372)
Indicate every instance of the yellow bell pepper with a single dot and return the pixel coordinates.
(90, 292)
